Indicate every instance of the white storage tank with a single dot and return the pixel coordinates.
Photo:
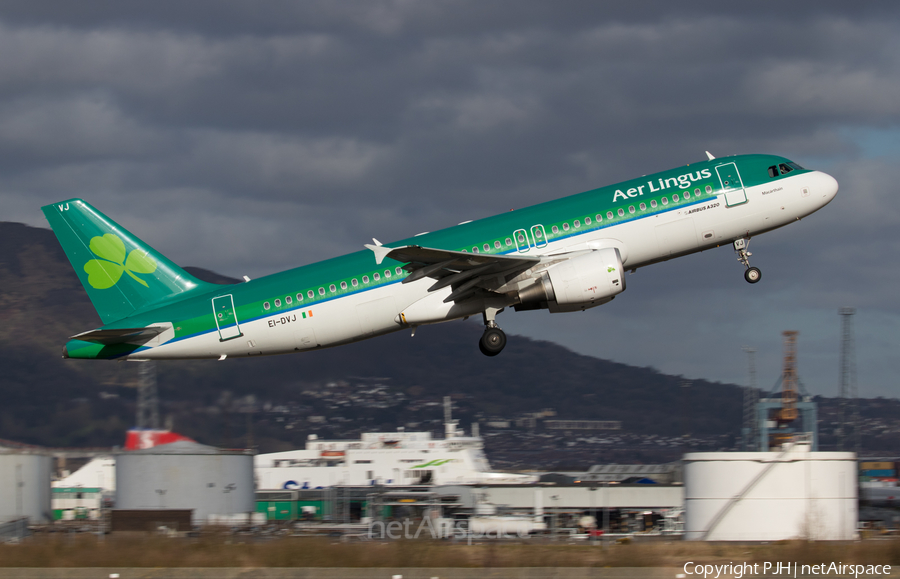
(25, 485)
(768, 496)
(186, 475)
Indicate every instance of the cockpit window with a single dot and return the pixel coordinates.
(784, 169)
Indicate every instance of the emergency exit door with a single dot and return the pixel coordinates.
(226, 319)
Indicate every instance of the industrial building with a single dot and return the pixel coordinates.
(613, 508)
(76, 503)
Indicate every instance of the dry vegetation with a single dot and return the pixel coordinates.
(230, 551)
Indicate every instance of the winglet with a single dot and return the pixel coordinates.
(380, 251)
(709, 156)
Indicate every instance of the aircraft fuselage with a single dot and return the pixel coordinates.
(354, 297)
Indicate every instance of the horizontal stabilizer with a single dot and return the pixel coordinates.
(120, 335)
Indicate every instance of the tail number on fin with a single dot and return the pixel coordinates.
(63, 207)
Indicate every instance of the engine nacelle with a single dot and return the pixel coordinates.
(578, 283)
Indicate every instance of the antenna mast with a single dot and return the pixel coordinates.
(789, 388)
(849, 409)
(751, 398)
(148, 397)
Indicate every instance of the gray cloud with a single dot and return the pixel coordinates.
(249, 138)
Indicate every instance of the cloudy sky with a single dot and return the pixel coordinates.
(250, 137)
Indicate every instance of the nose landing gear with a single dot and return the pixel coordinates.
(751, 274)
(494, 339)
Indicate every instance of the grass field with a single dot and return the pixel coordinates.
(81, 550)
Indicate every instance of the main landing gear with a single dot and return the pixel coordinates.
(751, 274)
(493, 340)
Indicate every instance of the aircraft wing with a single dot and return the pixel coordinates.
(465, 272)
(120, 335)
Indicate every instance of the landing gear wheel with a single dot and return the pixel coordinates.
(752, 275)
(492, 342)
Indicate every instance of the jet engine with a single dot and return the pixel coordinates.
(576, 284)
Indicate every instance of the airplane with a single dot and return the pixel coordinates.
(564, 255)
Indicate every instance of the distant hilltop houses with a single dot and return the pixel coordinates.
(545, 419)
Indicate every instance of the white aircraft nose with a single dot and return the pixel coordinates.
(826, 187)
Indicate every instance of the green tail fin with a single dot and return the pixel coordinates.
(120, 273)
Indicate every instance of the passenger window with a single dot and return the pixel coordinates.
(321, 291)
(576, 223)
(554, 229)
(599, 218)
(496, 245)
(277, 303)
(300, 297)
(343, 285)
(266, 306)
(487, 246)
(709, 188)
(773, 171)
(375, 276)
(665, 200)
(621, 212)
(587, 220)
(508, 242)
(675, 197)
(653, 204)
(365, 279)
(332, 288)
(387, 273)
(399, 270)
(566, 226)
(697, 191)
(643, 206)
(687, 194)
(609, 214)
(539, 234)
(353, 282)
(631, 208)
(311, 294)
(521, 238)
(474, 250)
(288, 300)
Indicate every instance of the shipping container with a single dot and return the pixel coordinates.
(873, 465)
(880, 473)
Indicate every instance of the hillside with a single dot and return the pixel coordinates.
(378, 384)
